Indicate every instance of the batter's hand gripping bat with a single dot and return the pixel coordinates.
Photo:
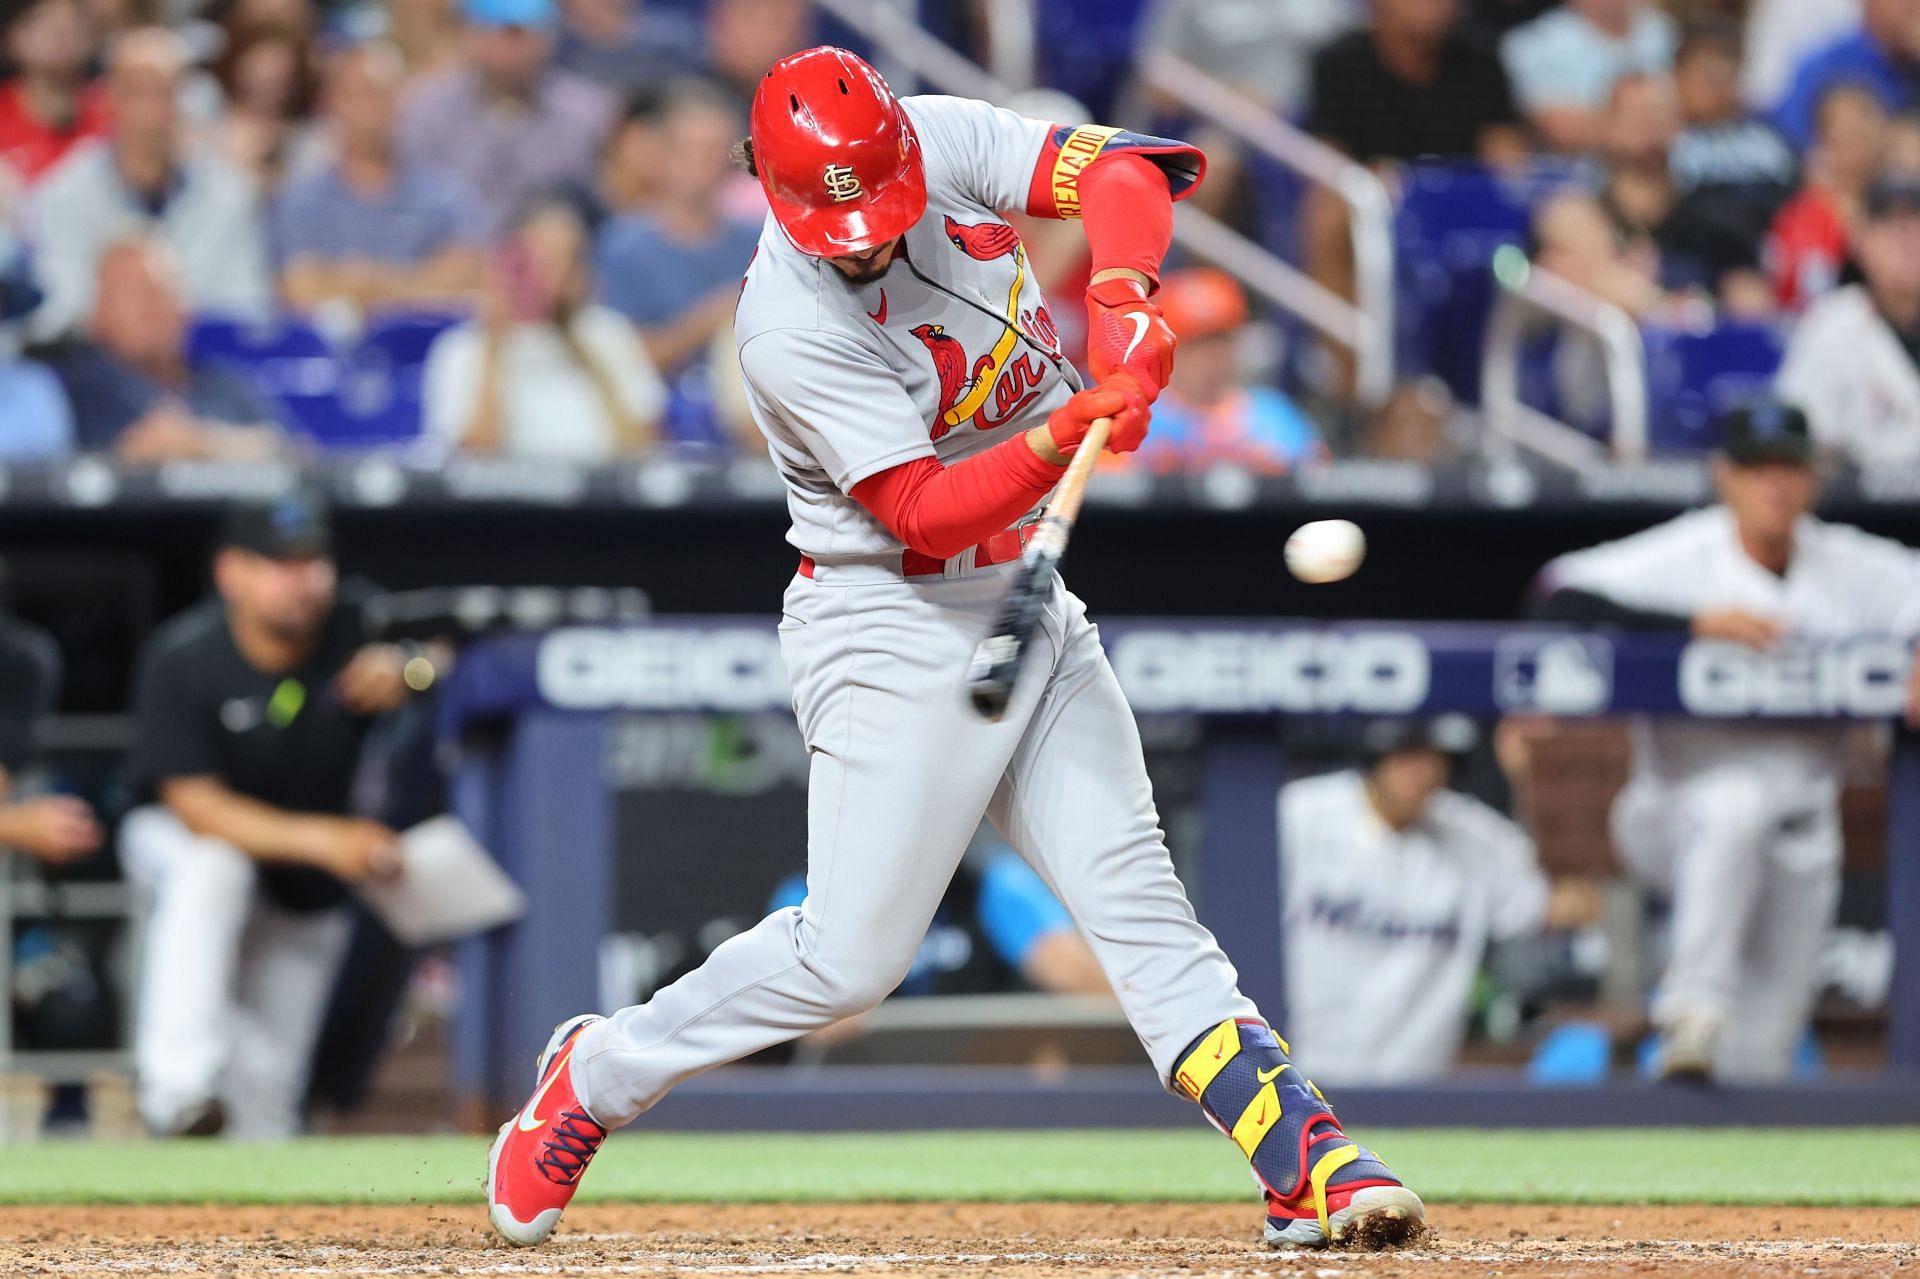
(996, 663)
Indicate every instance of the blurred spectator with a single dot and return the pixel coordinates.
(38, 422)
(50, 103)
(745, 37)
(1780, 33)
(673, 266)
(55, 829)
(625, 44)
(1813, 232)
(135, 388)
(1488, 20)
(1901, 157)
(1882, 55)
(1739, 824)
(1208, 414)
(1264, 50)
(1564, 64)
(267, 82)
(1694, 242)
(1412, 426)
(545, 372)
(1576, 240)
(1854, 361)
(251, 712)
(427, 33)
(1727, 164)
(1411, 85)
(633, 159)
(141, 177)
(1395, 885)
(369, 228)
(508, 123)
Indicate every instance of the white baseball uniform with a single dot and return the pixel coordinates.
(1858, 386)
(948, 354)
(1740, 823)
(1402, 918)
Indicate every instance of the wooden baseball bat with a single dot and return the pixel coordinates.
(996, 662)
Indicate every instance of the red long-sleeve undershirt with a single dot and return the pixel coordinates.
(1126, 206)
(1127, 209)
(942, 510)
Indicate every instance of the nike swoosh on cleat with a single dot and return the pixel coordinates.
(880, 316)
(533, 1106)
(1141, 321)
(1268, 1076)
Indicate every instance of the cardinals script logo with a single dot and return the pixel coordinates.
(988, 390)
(842, 183)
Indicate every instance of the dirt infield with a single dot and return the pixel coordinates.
(938, 1241)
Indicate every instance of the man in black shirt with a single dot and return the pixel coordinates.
(1408, 87)
(55, 829)
(252, 708)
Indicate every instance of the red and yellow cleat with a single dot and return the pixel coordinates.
(536, 1161)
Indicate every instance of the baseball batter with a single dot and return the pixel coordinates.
(902, 364)
(1739, 824)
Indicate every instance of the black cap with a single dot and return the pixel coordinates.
(1893, 195)
(294, 525)
(1766, 431)
(1449, 734)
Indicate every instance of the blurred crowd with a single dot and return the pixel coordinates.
(547, 183)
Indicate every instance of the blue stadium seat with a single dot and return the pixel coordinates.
(1692, 378)
(406, 337)
(1450, 221)
(246, 340)
(1086, 48)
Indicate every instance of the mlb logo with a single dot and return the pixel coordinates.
(1553, 674)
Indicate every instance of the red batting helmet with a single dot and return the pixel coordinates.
(836, 154)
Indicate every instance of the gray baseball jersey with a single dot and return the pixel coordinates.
(949, 353)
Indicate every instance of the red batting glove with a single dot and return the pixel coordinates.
(1120, 398)
(1127, 334)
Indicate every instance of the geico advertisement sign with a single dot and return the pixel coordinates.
(1859, 677)
(1241, 671)
(724, 668)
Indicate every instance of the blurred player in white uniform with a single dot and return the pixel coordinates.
(1394, 887)
(903, 366)
(1739, 824)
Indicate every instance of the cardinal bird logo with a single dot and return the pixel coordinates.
(984, 241)
(950, 366)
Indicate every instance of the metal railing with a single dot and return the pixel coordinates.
(1364, 325)
(926, 58)
(1523, 294)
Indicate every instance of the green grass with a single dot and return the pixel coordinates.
(1718, 1166)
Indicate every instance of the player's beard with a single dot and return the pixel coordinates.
(866, 272)
(858, 272)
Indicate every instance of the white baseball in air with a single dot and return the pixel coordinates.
(1325, 550)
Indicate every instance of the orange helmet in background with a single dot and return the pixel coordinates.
(1201, 301)
(837, 156)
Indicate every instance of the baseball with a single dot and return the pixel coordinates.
(1325, 550)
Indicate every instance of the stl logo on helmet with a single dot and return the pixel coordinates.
(843, 183)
